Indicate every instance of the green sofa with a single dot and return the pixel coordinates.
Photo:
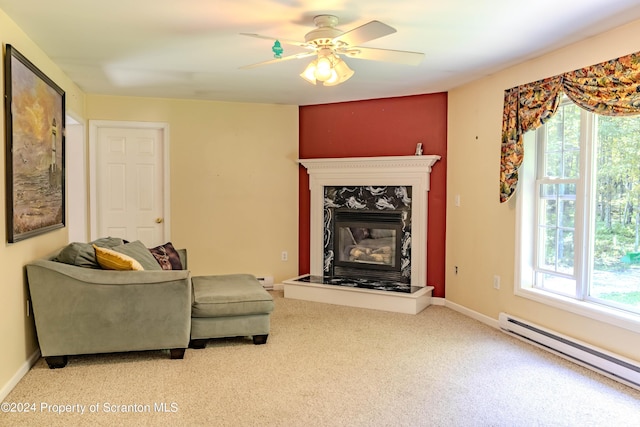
(80, 310)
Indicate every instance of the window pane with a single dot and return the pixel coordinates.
(565, 251)
(549, 190)
(615, 277)
(562, 151)
(568, 190)
(557, 284)
(548, 213)
(617, 288)
(567, 213)
(566, 205)
(555, 132)
(571, 166)
(548, 256)
(556, 227)
(553, 164)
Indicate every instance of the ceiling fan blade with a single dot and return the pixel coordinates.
(291, 42)
(386, 55)
(284, 58)
(364, 33)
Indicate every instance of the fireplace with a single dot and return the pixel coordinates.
(368, 223)
(367, 233)
(368, 245)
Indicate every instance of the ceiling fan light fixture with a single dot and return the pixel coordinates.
(342, 73)
(309, 73)
(328, 42)
(333, 80)
(328, 69)
(324, 69)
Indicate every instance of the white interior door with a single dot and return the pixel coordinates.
(131, 188)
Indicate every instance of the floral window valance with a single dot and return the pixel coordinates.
(610, 88)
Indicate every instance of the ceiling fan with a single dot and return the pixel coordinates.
(327, 43)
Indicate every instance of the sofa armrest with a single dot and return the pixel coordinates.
(80, 310)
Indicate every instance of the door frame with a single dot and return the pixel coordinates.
(76, 167)
(94, 127)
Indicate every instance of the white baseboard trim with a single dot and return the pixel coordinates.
(438, 301)
(6, 389)
(473, 314)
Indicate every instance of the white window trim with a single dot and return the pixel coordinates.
(523, 280)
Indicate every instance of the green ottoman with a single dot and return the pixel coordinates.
(232, 305)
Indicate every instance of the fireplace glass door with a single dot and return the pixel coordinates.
(367, 244)
(371, 247)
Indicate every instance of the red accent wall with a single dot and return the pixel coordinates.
(380, 127)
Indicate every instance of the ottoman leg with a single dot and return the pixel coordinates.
(198, 344)
(260, 339)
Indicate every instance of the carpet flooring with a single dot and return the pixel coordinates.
(328, 365)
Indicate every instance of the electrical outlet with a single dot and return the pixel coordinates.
(284, 256)
(456, 269)
(496, 282)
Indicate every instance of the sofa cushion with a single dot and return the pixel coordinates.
(229, 295)
(112, 260)
(167, 257)
(83, 254)
(138, 251)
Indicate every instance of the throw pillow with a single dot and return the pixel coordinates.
(138, 251)
(112, 260)
(167, 257)
(78, 254)
(108, 242)
(83, 254)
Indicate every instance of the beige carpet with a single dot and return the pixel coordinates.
(328, 365)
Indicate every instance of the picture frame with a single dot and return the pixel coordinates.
(35, 149)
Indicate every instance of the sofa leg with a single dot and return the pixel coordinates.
(177, 353)
(198, 344)
(56, 362)
(260, 339)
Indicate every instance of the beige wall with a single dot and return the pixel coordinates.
(481, 232)
(234, 180)
(17, 334)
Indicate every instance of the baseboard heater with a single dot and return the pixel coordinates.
(613, 366)
(266, 282)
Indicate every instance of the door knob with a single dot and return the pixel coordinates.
(159, 220)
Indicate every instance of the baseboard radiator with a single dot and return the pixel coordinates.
(613, 366)
(266, 281)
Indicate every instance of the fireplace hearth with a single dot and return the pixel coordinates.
(372, 284)
(368, 233)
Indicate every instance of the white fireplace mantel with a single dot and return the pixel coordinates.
(411, 171)
(371, 167)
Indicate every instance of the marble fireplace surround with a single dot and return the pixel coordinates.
(410, 171)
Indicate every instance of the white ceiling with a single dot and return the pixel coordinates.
(192, 49)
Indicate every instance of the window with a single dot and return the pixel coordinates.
(579, 213)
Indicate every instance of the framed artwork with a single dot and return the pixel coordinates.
(35, 128)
